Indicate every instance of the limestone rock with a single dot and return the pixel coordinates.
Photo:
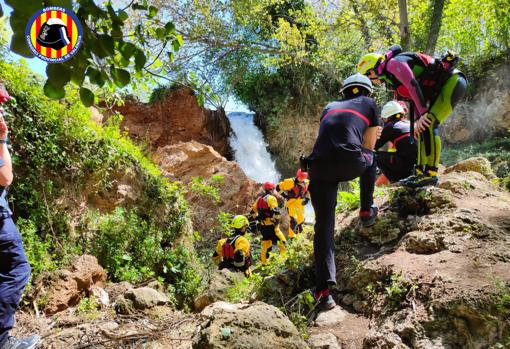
(116, 290)
(146, 297)
(217, 289)
(185, 161)
(65, 288)
(177, 117)
(250, 326)
(423, 242)
(323, 341)
(331, 317)
(476, 164)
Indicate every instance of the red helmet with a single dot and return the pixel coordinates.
(269, 186)
(301, 174)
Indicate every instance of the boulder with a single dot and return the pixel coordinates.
(477, 164)
(185, 161)
(250, 326)
(423, 242)
(176, 117)
(219, 284)
(65, 288)
(146, 297)
(331, 317)
(323, 341)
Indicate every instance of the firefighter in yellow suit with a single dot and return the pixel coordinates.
(266, 211)
(295, 191)
(234, 252)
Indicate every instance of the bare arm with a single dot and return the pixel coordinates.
(6, 175)
(370, 137)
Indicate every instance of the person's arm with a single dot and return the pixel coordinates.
(6, 175)
(404, 74)
(384, 138)
(370, 137)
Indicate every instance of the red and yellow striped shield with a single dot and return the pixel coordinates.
(54, 34)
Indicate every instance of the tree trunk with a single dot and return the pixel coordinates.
(435, 26)
(405, 37)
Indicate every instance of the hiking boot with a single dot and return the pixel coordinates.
(24, 343)
(428, 178)
(326, 301)
(367, 218)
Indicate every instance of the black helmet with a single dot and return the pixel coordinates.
(450, 58)
(53, 34)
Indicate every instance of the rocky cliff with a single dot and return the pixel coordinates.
(486, 115)
(215, 185)
(177, 117)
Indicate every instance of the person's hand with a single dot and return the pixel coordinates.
(421, 125)
(3, 126)
(379, 132)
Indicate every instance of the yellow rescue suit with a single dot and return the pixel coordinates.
(297, 195)
(234, 253)
(267, 213)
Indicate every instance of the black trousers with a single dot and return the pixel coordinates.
(394, 166)
(324, 179)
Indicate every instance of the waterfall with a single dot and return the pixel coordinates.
(250, 152)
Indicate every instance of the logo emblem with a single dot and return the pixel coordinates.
(54, 34)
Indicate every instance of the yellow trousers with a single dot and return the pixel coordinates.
(296, 212)
(271, 235)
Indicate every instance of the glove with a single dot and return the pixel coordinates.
(305, 201)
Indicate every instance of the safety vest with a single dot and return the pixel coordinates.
(431, 80)
(298, 191)
(263, 210)
(228, 249)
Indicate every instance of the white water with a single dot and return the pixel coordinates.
(250, 152)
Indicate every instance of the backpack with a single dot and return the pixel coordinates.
(263, 210)
(228, 249)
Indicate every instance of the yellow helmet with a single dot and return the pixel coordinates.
(368, 62)
(239, 222)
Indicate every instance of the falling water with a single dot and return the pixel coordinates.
(250, 152)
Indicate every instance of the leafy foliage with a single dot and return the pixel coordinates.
(116, 44)
(67, 169)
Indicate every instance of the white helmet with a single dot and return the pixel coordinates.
(391, 108)
(357, 80)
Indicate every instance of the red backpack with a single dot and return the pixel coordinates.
(228, 249)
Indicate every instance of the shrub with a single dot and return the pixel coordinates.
(64, 163)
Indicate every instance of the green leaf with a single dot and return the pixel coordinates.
(95, 77)
(137, 6)
(177, 43)
(121, 77)
(62, 3)
(77, 75)
(140, 60)
(171, 56)
(170, 28)
(53, 92)
(98, 49)
(107, 44)
(86, 96)
(58, 74)
(19, 46)
(127, 49)
(153, 11)
(123, 16)
(179, 39)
